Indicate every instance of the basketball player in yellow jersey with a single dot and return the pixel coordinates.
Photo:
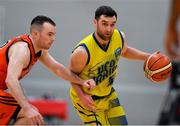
(97, 56)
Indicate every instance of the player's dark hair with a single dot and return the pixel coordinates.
(40, 20)
(105, 10)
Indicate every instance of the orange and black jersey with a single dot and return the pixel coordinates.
(4, 58)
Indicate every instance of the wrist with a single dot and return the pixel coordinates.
(26, 106)
(147, 56)
(81, 82)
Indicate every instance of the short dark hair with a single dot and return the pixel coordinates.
(40, 20)
(105, 10)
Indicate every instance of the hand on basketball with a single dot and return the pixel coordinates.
(90, 84)
(157, 67)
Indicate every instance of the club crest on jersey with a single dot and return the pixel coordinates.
(117, 52)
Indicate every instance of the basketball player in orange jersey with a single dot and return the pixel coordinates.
(100, 53)
(17, 57)
(172, 33)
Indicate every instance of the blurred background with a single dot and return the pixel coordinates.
(144, 23)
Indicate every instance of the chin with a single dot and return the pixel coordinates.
(106, 39)
(46, 48)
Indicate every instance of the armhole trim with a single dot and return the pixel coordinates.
(121, 39)
(87, 50)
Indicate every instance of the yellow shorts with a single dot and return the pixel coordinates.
(109, 110)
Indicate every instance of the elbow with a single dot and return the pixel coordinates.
(9, 82)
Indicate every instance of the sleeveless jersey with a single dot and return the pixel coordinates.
(102, 62)
(4, 58)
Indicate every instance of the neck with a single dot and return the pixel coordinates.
(101, 41)
(36, 49)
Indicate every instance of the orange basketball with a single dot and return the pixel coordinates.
(157, 67)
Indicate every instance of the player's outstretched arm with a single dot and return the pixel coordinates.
(63, 72)
(133, 53)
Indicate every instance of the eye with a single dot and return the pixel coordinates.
(104, 24)
(112, 25)
(50, 34)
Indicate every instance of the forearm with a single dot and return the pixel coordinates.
(66, 74)
(174, 13)
(132, 53)
(78, 89)
(17, 92)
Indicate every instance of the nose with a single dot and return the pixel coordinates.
(109, 28)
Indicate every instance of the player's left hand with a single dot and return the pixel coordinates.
(90, 84)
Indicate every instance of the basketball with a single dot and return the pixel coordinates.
(157, 67)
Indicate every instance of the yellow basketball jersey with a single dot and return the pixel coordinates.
(102, 62)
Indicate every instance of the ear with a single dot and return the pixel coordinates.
(35, 33)
(95, 23)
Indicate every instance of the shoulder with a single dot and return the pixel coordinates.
(80, 54)
(21, 47)
(80, 51)
(19, 51)
(78, 59)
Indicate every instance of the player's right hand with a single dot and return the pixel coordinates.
(33, 116)
(90, 84)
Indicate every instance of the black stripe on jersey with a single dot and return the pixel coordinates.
(84, 113)
(87, 50)
(8, 100)
(9, 103)
(30, 56)
(80, 105)
(121, 38)
(14, 116)
(95, 97)
(97, 123)
(9, 97)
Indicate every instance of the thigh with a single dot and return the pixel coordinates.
(97, 118)
(8, 107)
(116, 114)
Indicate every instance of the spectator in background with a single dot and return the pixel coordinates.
(172, 33)
(170, 111)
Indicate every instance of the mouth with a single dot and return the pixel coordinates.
(108, 35)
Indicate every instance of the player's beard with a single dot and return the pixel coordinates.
(103, 37)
